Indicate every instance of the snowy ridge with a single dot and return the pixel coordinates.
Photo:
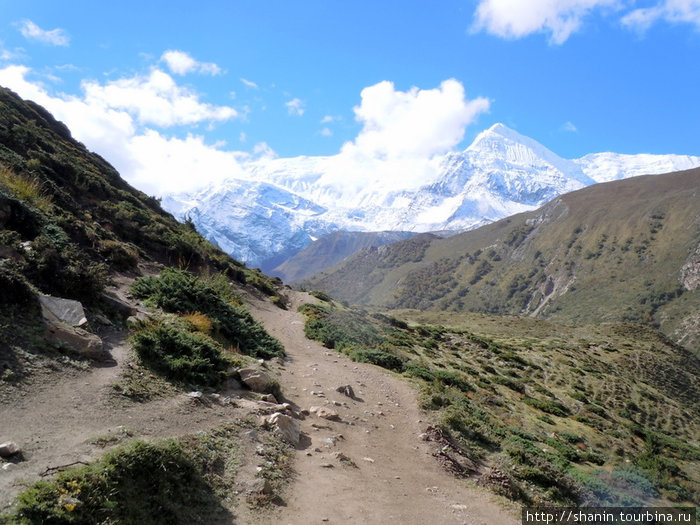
(286, 203)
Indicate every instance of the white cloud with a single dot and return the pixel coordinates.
(417, 122)
(54, 37)
(295, 107)
(155, 99)
(250, 83)
(330, 118)
(181, 63)
(263, 150)
(404, 134)
(326, 132)
(519, 18)
(569, 126)
(107, 122)
(673, 11)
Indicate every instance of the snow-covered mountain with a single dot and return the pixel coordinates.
(287, 203)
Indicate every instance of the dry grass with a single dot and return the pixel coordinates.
(26, 187)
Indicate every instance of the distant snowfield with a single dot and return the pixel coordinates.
(284, 204)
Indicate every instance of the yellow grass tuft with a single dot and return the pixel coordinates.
(25, 187)
(199, 321)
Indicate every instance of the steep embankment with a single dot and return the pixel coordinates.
(620, 251)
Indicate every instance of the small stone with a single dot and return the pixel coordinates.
(327, 465)
(325, 413)
(368, 460)
(195, 395)
(269, 398)
(9, 448)
(261, 486)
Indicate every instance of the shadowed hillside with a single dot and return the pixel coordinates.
(622, 251)
(331, 249)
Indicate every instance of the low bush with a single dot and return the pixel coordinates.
(178, 291)
(141, 482)
(551, 407)
(454, 379)
(180, 355)
(379, 358)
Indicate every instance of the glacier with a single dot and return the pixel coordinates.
(286, 203)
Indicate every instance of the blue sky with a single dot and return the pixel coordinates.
(228, 81)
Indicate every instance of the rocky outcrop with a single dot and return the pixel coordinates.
(690, 272)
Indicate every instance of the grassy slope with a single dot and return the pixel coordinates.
(604, 414)
(609, 252)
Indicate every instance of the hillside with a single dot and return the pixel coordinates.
(331, 249)
(619, 251)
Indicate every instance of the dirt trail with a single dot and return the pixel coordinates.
(370, 467)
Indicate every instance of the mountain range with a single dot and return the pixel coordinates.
(285, 204)
(626, 250)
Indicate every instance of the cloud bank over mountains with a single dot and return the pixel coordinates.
(133, 122)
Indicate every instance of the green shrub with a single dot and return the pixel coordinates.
(181, 292)
(321, 296)
(379, 358)
(139, 483)
(453, 379)
(418, 370)
(15, 288)
(551, 407)
(180, 355)
(513, 384)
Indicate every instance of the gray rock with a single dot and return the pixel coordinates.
(284, 426)
(118, 304)
(261, 486)
(257, 380)
(9, 448)
(346, 390)
(76, 340)
(325, 413)
(58, 310)
(269, 398)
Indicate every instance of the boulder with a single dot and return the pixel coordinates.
(258, 380)
(76, 340)
(116, 303)
(9, 448)
(284, 426)
(58, 310)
